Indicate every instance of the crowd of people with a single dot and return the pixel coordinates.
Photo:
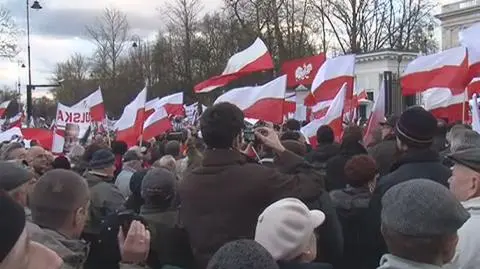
(211, 199)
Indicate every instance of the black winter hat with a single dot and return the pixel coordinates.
(101, 159)
(416, 127)
(242, 254)
(12, 223)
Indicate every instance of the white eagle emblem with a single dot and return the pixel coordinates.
(303, 72)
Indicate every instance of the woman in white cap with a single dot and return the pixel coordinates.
(286, 230)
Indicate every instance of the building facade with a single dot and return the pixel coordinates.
(369, 73)
(454, 18)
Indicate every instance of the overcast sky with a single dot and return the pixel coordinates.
(58, 30)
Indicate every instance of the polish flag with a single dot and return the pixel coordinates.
(173, 104)
(259, 102)
(157, 124)
(473, 87)
(43, 136)
(16, 121)
(290, 104)
(475, 114)
(443, 104)
(130, 125)
(150, 107)
(332, 75)
(469, 39)
(446, 69)
(253, 59)
(3, 108)
(333, 118)
(320, 109)
(95, 103)
(377, 116)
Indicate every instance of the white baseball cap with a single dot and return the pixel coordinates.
(286, 227)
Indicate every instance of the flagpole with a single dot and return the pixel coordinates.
(465, 94)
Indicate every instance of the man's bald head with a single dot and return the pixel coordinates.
(38, 159)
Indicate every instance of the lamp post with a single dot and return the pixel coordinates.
(36, 5)
(144, 67)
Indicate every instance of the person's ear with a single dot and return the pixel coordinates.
(449, 248)
(474, 189)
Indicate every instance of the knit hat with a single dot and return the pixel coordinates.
(12, 224)
(285, 228)
(416, 127)
(242, 254)
(422, 207)
(160, 183)
(13, 175)
(101, 159)
(360, 170)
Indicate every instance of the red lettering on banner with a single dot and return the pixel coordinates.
(59, 116)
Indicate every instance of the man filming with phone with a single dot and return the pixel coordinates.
(222, 199)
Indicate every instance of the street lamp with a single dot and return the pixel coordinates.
(36, 5)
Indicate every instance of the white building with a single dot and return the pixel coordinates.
(455, 17)
(369, 72)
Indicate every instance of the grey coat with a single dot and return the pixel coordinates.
(105, 199)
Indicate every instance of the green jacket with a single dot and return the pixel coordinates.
(105, 199)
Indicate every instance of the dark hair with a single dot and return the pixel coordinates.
(172, 148)
(61, 162)
(220, 124)
(119, 147)
(360, 170)
(290, 135)
(351, 146)
(57, 194)
(353, 131)
(419, 249)
(293, 125)
(325, 135)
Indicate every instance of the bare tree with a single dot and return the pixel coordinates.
(8, 34)
(110, 33)
(183, 15)
(74, 75)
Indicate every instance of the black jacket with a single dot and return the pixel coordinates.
(330, 237)
(412, 165)
(323, 153)
(351, 205)
(170, 244)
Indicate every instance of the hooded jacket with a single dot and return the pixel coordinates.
(73, 252)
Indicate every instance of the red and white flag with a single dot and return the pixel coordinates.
(157, 124)
(469, 39)
(377, 116)
(443, 104)
(253, 59)
(333, 118)
(446, 69)
(173, 104)
(95, 103)
(259, 102)
(473, 87)
(130, 125)
(150, 107)
(290, 105)
(332, 75)
(320, 109)
(3, 108)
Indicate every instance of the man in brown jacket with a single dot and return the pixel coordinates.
(222, 199)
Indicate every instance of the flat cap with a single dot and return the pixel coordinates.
(422, 207)
(468, 157)
(13, 175)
